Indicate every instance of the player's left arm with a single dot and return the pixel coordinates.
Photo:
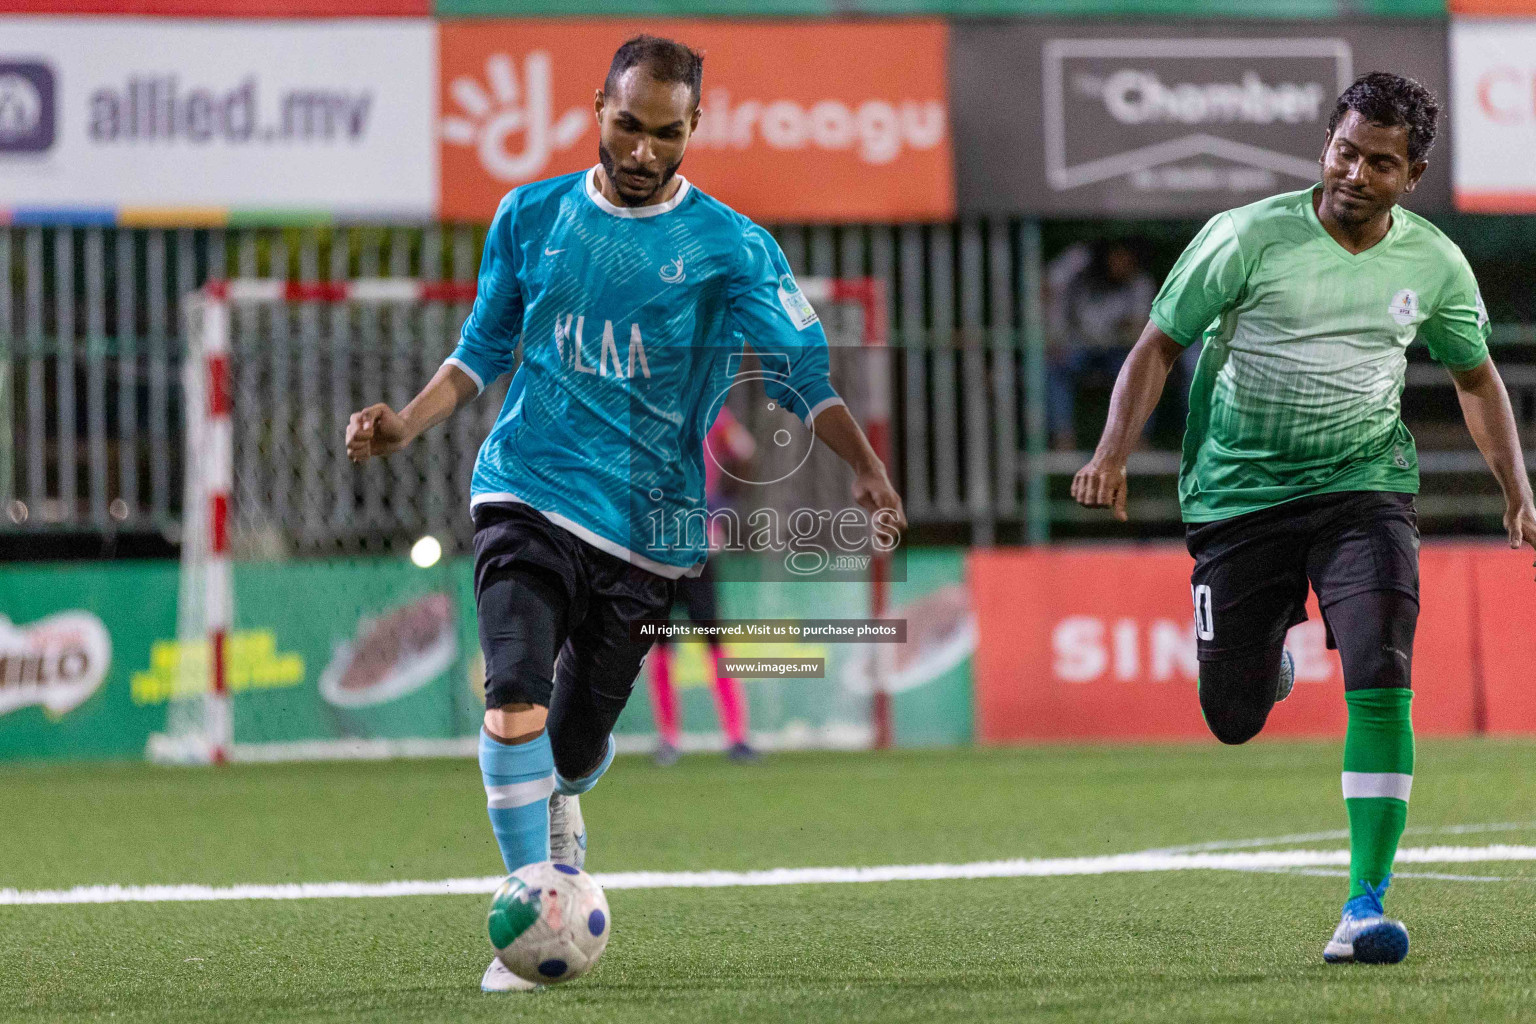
(774, 315)
(1457, 334)
(1491, 421)
(872, 487)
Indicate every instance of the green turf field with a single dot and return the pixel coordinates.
(1167, 946)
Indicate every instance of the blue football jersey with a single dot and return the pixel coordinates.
(633, 321)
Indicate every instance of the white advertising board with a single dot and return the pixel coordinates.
(1493, 115)
(325, 116)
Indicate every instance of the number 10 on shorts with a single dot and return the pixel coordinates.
(1205, 623)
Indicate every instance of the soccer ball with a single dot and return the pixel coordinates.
(549, 922)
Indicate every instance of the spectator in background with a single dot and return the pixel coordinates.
(1098, 297)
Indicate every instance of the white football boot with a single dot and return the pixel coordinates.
(567, 831)
(1366, 935)
(498, 979)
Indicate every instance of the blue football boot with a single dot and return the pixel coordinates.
(1366, 935)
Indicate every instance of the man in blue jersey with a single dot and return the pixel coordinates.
(633, 295)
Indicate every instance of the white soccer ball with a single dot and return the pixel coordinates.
(549, 922)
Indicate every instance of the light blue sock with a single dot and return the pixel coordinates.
(576, 787)
(518, 780)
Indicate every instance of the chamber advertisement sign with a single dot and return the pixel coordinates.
(331, 116)
(1493, 67)
(1098, 118)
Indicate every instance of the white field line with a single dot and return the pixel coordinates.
(1433, 875)
(1051, 867)
(1312, 837)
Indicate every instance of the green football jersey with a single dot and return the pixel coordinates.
(1299, 387)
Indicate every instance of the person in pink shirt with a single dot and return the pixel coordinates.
(730, 441)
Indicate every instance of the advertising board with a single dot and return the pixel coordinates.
(140, 119)
(1493, 71)
(802, 121)
(1170, 118)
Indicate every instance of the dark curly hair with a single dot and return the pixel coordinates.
(1392, 100)
(664, 60)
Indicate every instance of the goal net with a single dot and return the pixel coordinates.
(326, 609)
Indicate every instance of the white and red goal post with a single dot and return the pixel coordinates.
(200, 717)
(868, 293)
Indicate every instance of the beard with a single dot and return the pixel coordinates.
(610, 168)
(1351, 209)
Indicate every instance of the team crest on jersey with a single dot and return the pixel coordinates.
(795, 304)
(1405, 306)
(672, 273)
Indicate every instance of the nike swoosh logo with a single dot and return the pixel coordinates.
(553, 252)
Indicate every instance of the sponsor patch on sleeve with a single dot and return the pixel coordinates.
(795, 304)
(1482, 310)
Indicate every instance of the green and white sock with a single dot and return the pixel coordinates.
(1378, 775)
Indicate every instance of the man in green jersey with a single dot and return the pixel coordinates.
(1297, 466)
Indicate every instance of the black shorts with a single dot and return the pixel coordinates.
(697, 596)
(1251, 571)
(544, 596)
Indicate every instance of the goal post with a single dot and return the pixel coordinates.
(271, 370)
(200, 713)
(868, 295)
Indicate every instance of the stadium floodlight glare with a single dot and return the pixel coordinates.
(426, 551)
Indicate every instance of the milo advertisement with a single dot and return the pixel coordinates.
(71, 637)
(384, 655)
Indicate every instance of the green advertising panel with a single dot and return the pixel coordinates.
(324, 654)
(929, 675)
(72, 637)
(379, 646)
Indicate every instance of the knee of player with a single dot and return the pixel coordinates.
(1236, 730)
(1232, 722)
(1387, 668)
(517, 722)
(516, 705)
(516, 687)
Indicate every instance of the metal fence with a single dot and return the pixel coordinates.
(298, 369)
(91, 344)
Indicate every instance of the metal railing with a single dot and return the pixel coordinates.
(91, 345)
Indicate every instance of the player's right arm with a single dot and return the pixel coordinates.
(379, 430)
(485, 351)
(1207, 280)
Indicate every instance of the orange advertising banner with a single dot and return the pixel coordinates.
(1506, 609)
(1099, 644)
(1493, 8)
(802, 121)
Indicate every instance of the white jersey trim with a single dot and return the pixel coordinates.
(657, 210)
(461, 364)
(1396, 785)
(825, 403)
(671, 572)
